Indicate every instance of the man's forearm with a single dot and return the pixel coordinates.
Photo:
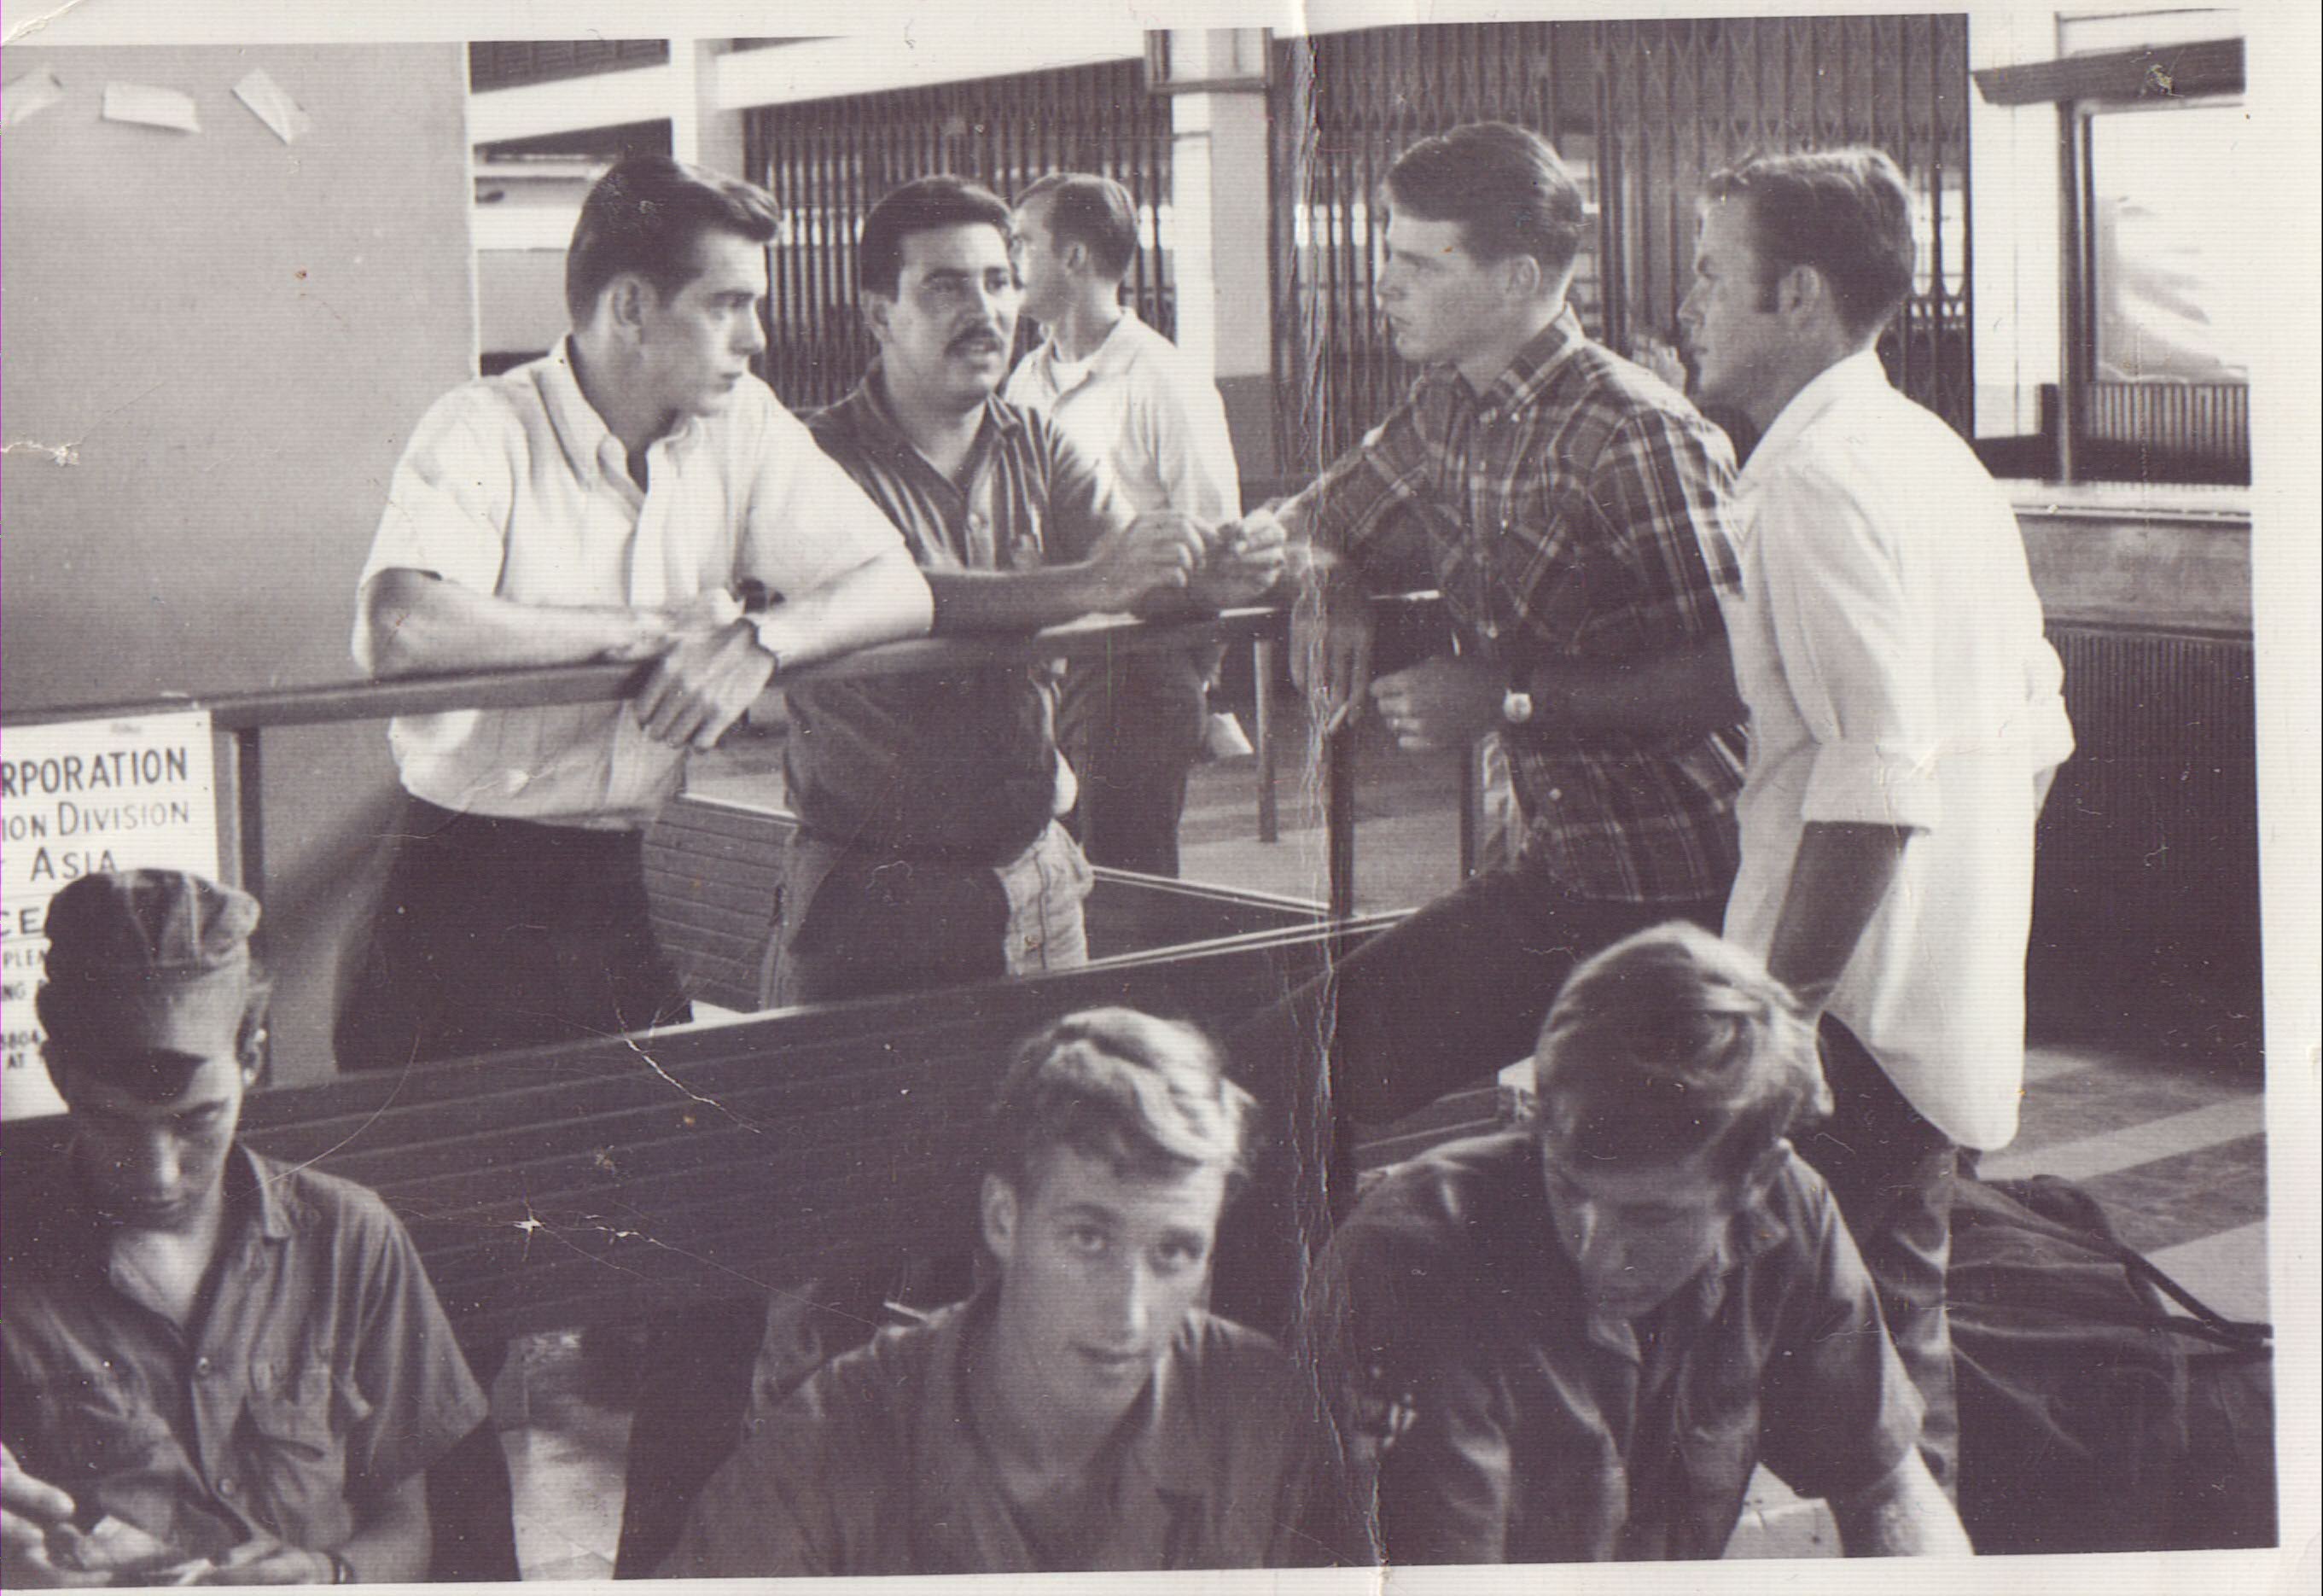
(1014, 600)
(1839, 878)
(1691, 691)
(882, 600)
(415, 622)
(1906, 1515)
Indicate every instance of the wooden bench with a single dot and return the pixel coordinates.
(569, 1185)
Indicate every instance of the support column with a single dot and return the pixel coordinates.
(1219, 194)
(699, 132)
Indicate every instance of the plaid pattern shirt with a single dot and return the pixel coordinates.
(1576, 510)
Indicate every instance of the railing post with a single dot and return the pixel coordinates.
(1471, 801)
(1261, 670)
(249, 808)
(1339, 817)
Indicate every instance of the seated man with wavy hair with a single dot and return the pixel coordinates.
(1574, 1342)
(1082, 1412)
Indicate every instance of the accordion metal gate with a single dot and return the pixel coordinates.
(1641, 112)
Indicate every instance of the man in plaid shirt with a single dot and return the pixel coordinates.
(1570, 508)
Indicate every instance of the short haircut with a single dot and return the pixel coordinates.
(921, 205)
(1674, 1042)
(151, 1075)
(647, 216)
(1503, 185)
(1094, 212)
(1142, 1094)
(1847, 213)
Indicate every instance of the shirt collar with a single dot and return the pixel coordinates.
(1110, 358)
(1859, 378)
(1161, 1456)
(1526, 1250)
(589, 444)
(1526, 375)
(68, 1228)
(873, 418)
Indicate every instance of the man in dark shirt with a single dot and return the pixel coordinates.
(1084, 1412)
(929, 851)
(1575, 1342)
(1569, 506)
(210, 1358)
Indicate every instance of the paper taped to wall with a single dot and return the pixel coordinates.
(149, 106)
(27, 97)
(271, 104)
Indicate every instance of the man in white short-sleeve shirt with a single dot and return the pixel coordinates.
(1905, 715)
(613, 500)
(1133, 724)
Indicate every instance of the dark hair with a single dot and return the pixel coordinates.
(645, 215)
(1847, 213)
(1674, 1042)
(921, 205)
(1144, 1095)
(1505, 187)
(1094, 212)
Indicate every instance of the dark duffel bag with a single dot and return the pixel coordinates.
(2103, 1408)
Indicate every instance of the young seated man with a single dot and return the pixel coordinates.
(1575, 1342)
(1081, 1412)
(210, 1358)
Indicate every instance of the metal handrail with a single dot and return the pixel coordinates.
(242, 718)
(337, 701)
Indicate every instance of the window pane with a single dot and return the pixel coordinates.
(2172, 231)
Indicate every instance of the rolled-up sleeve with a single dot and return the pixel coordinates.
(1853, 654)
(448, 506)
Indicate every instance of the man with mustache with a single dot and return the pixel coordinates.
(929, 851)
(608, 502)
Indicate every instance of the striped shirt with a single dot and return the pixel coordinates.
(960, 762)
(1574, 511)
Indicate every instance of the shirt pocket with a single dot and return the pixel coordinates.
(291, 1403)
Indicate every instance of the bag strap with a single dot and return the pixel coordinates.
(2206, 1324)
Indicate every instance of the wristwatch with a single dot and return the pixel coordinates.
(343, 1572)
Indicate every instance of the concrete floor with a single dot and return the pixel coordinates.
(2172, 1146)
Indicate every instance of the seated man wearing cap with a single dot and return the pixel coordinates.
(1574, 1342)
(1083, 1412)
(209, 1357)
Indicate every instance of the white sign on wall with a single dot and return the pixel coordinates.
(76, 799)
